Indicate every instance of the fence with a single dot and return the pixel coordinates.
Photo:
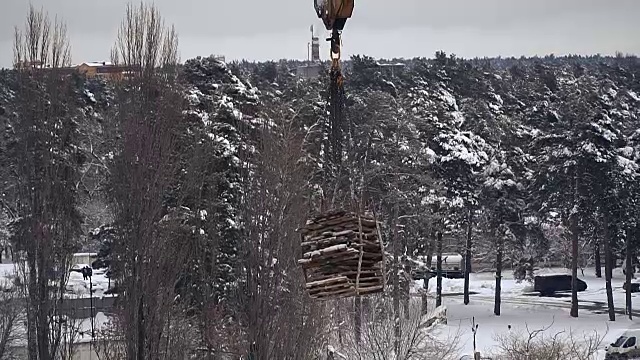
(81, 308)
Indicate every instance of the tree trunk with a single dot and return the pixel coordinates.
(357, 319)
(424, 298)
(141, 330)
(396, 280)
(629, 275)
(42, 321)
(406, 281)
(574, 265)
(32, 340)
(425, 284)
(608, 266)
(467, 257)
(496, 307)
(439, 269)
(598, 257)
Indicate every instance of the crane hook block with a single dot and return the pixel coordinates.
(334, 13)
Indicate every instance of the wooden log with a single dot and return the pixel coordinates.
(370, 290)
(327, 263)
(329, 229)
(318, 235)
(331, 236)
(335, 288)
(346, 267)
(313, 246)
(333, 258)
(343, 271)
(349, 281)
(327, 288)
(369, 248)
(363, 273)
(336, 259)
(333, 241)
(328, 294)
(333, 280)
(366, 276)
(382, 263)
(341, 248)
(339, 221)
(351, 275)
(349, 262)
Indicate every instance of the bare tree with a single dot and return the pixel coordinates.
(541, 344)
(110, 342)
(144, 44)
(282, 322)
(69, 337)
(44, 167)
(11, 313)
(417, 340)
(154, 229)
(153, 237)
(41, 43)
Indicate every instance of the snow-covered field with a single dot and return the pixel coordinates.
(522, 310)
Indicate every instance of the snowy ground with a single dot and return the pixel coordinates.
(521, 309)
(77, 287)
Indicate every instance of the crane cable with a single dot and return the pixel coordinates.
(336, 93)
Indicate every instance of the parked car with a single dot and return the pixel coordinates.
(548, 285)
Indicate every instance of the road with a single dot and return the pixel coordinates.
(597, 307)
(558, 302)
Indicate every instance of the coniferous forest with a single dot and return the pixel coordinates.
(190, 180)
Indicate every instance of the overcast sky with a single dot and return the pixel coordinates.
(275, 29)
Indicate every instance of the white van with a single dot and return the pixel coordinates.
(452, 265)
(625, 347)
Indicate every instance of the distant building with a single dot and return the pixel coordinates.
(83, 258)
(309, 71)
(391, 69)
(104, 69)
(90, 69)
(95, 69)
(220, 58)
(315, 49)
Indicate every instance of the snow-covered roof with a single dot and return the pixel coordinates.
(97, 63)
(450, 257)
(390, 64)
(85, 254)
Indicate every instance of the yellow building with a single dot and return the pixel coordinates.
(103, 69)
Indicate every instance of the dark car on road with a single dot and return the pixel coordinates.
(548, 285)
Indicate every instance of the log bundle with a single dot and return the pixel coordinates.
(342, 255)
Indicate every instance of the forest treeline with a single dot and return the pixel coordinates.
(190, 180)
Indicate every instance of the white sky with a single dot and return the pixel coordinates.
(275, 29)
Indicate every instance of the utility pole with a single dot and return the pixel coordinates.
(91, 305)
(474, 329)
(88, 271)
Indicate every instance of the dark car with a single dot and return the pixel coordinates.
(547, 285)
